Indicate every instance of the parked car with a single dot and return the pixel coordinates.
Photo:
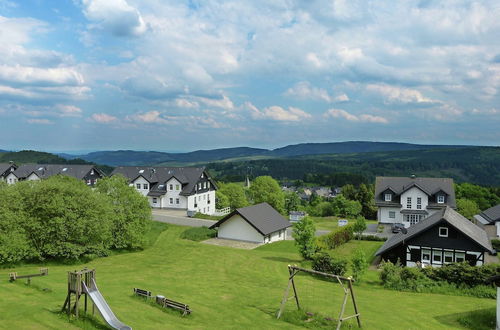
(397, 227)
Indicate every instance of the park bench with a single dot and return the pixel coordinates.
(173, 304)
(142, 293)
(13, 276)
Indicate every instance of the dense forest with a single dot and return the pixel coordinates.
(479, 165)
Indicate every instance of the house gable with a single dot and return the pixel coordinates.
(236, 227)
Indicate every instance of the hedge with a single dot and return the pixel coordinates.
(337, 237)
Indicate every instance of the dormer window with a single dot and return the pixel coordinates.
(388, 197)
(171, 187)
(440, 199)
(91, 172)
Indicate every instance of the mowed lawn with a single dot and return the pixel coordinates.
(226, 289)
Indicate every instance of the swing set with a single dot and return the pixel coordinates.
(345, 283)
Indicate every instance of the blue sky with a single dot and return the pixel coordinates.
(187, 75)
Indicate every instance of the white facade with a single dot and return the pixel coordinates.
(142, 185)
(32, 177)
(11, 178)
(237, 228)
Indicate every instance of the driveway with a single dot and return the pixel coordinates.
(372, 229)
(232, 243)
(179, 217)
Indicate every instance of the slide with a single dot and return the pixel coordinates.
(103, 307)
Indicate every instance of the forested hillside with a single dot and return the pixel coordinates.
(480, 165)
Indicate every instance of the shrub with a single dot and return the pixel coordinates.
(304, 233)
(496, 244)
(198, 233)
(463, 273)
(323, 262)
(337, 237)
(373, 238)
(358, 264)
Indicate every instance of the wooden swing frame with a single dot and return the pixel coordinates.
(294, 270)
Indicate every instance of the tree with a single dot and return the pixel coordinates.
(360, 226)
(235, 195)
(292, 202)
(366, 196)
(131, 212)
(345, 208)
(359, 264)
(484, 197)
(467, 208)
(349, 192)
(304, 233)
(222, 200)
(266, 189)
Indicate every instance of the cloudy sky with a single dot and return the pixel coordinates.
(186, 75)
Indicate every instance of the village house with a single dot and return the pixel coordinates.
(29, 172)
(410, 200)
(489, 220)
(186, 188)
(6, 169)
(444, 237)
(259, 223)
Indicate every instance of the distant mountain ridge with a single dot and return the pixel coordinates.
(139, 158)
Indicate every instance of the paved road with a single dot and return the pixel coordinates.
(182, 221)
(372, 229)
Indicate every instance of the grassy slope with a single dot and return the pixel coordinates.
(226, 289)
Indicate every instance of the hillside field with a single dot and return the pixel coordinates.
(226, 288)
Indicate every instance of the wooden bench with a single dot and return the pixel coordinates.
(173, 304)
(142, 293)
(13, 276)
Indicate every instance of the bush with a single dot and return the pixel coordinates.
(463, 274)
(304, 233)
(198, 233)
(337, 237)
(323, 262)
(496, 244)
(358, 264)
(373, 238)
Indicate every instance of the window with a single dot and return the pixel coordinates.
(177, 187)
(388, 197)
(459, 256)
(440, 199)
(413, 218)
(208, 184)
(199, 198)
(408, 202)
(205, 197)
(437, 256)
(138, 186)
(91, 172)
(89, 182)
(171, 187)
(199, 185)
(419, 203)
(177, 201)
(392, 214)
(204, 185)
(145, 186)
(155, 200)
(448, 256)
(426, 255)
(171, 201)
(443, 232)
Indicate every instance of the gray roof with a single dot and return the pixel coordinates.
(4, 167)
(158, 177)
(44, 171)
(399, 185)
(448, 215)
(263, 217)
(492, 214)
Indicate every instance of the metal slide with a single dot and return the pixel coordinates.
(103, 307)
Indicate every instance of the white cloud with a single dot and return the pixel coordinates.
(395, 94)
(223, 103)
(40, 121)
(277, 113)
(68, 110)
(150, 117)
(304, 91)
(40, 76)
(183, 103)
(339, 113)
(103, 118)
(116, 16)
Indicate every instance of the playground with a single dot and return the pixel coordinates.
(225, 288)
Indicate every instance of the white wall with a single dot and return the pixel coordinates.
(384, 215)
(238, 229)
(11, 178)
(497, 224)
(33, 177)
(140, 180)
(414, 193)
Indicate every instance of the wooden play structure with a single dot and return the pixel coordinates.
(13, 276)
(83, 283)
(345, 283)
(164, 302)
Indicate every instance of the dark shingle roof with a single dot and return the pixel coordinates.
(449, 215)
(44, 171)
(157, 176)
(263, 217)
(430, 186)
(5, 167)
(492, 214)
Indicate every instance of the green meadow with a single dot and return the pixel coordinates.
(226, 288)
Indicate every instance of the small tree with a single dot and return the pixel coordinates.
(359, 226)
(304, 234)
(468, 208)
(358, 264)
(234, 193)
(266, 189)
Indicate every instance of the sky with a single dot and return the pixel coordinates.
(187, 75)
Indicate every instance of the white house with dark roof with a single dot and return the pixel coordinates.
(490, 221)
(259, 223)
(5, 170)
(410, 200)
(186, 188)
(30, 172)
(445, 237)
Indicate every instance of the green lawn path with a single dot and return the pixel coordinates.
(226, 289)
